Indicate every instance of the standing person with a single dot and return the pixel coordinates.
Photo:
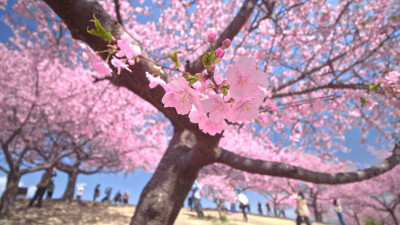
(244, 203)
(118, 198)
(108, 194)
(126, 197)
(42, 186)
(197, 198)
(96, 192)
(283, 213)
(81, 188)
(268, 208)
(260, 208)
(50, 189)
(338, 209)
(190, 202)
(302, 209)
(233, 208)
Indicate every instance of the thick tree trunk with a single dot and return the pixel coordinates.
(163, 196)
(9, 195)
(70, 190)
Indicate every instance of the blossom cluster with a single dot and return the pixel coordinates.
(125, 54)
(391, 83)
(211, 104)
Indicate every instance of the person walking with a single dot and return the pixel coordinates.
(42, 186)
(50, 189)
(196, 188)
(268, 208)
(338, 209)
(243, 204)
(126, 197)
(302, 209)
(96, 192)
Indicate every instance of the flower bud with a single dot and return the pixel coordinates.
(226, 44)
(211, 37)
(219, 53)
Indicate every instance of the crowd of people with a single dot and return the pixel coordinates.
(47, 184)
(299, 200)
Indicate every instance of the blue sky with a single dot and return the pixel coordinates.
(134, 183)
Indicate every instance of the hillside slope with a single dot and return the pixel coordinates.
(56, 212)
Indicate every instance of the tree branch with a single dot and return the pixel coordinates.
(4, 170)
(294, 172)
(326, 86)
(77, 15)
(119, 18)
(230, 32)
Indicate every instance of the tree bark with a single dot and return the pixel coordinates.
(9, 195)
(317, 214)
(70, 190)
(163, 196)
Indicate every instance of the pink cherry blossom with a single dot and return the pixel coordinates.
(97, 64)
(207, 125)
(180, 96)
(246, 109)
(154, 81)
(118, 63)
(244, 78)
(216, 106)
(127, 48)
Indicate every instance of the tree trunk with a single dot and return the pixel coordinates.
(70, 190)
(163, 196)
(317, 214)
(9, 195)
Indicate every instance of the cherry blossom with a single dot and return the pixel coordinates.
(244, 78)
(180, 96)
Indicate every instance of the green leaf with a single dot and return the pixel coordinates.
(100, 31)
(364, 101)
(374, 87)
(174, 58)
(191, 80)
(225, 89)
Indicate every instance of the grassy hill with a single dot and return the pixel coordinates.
(56, 212)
